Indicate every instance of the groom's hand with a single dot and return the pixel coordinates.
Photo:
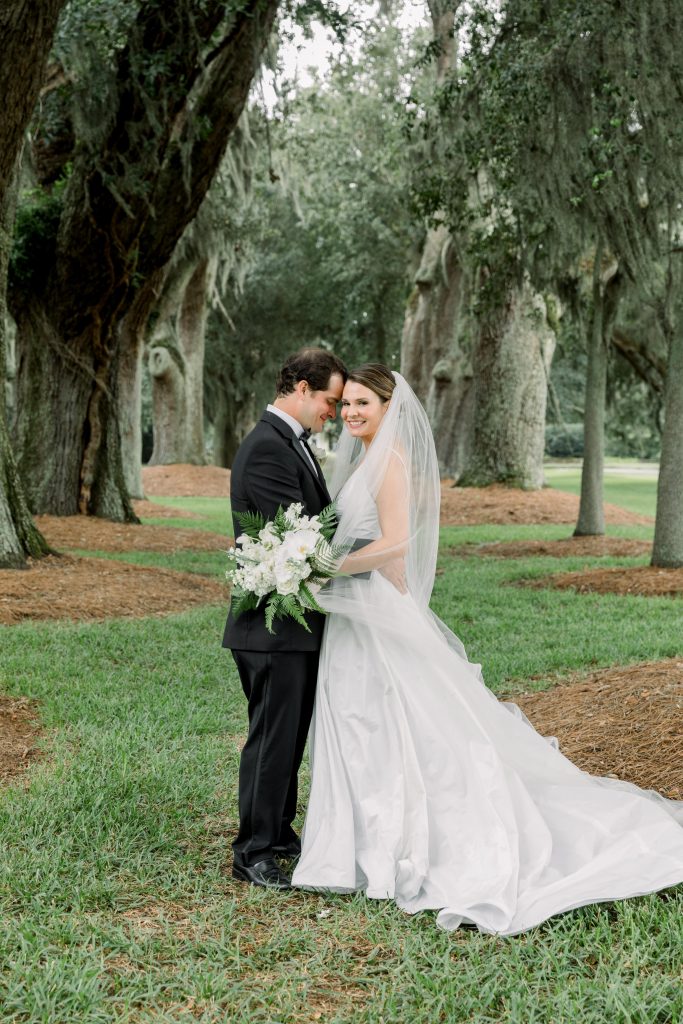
(395, 572)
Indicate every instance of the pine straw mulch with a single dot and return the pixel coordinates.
(567, 547)
(626, 722)
(150, 510)
(19, 730)
(460, 506)
(185, 481)
(640, 581)
(91, 589)
(498, 505)
(90, 534)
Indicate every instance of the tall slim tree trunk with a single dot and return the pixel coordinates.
(591, 521)
(511, 368)
(130, 394)
(667, 550)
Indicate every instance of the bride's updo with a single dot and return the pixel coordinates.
(376, 377)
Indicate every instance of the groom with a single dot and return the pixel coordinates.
(273, 467)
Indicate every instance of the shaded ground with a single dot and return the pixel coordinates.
(568, 547)
(183, 481)
(87, 589)
(19, 730)
(626, 722)
(66, 533)
(497, 505)
(642, 580)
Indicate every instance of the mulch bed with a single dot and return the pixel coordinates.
(626, 722)
(642, 581)
(149, 509)
(91, 589)
(19, 730)
(568, 547)
(498, 505)
(68, 533)
(186, 481)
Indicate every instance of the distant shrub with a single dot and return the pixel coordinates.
(564, 441)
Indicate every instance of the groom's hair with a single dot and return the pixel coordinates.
(314, 365)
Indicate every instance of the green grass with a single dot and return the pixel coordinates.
(205, 563)
(630, 491)
(115, 895)
(212, 514)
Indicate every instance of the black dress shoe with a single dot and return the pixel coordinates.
(264, 872)
(288, 851)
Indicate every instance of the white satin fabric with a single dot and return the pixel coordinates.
(427, 790)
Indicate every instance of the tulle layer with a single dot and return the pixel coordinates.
(427, 790)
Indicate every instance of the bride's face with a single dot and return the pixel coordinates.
(362, 411)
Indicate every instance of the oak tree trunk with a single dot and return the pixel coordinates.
(114, 234)
(169, 410)
(511, 366)
(233, 420)
(26, 31)
(435, 356)
(435, 347)
(191, 337)
(591, 520)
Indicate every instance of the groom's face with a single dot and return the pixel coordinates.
(318, 406)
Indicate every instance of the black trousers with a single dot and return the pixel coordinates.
(280, 689)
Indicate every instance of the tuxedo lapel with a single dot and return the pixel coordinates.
(311, 464)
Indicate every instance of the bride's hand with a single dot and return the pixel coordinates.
(395, 572)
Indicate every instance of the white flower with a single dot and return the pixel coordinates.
(300, 544)
(293, 513)
(320, 453)
(269, 536)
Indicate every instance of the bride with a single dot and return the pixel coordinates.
(425, 789)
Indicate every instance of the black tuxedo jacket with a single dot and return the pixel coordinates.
(271, 469)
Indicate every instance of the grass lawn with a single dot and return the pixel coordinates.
(637, 493)
(115, 896)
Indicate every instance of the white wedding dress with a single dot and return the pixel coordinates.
(427, 790)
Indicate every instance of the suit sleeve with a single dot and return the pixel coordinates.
(273, 479)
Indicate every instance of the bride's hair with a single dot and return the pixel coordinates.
(377, 377)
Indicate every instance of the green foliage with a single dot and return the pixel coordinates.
(325, 242)
(280, 606)
(559, 126)
(35, 238)
(564, 440)
(251, 522)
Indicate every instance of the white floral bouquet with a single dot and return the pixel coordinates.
(281, 560)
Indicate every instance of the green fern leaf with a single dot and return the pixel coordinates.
(291, 607)
(251, 523)
(329, 521)
(307, 594)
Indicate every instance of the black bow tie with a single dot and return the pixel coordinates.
(304, 435)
